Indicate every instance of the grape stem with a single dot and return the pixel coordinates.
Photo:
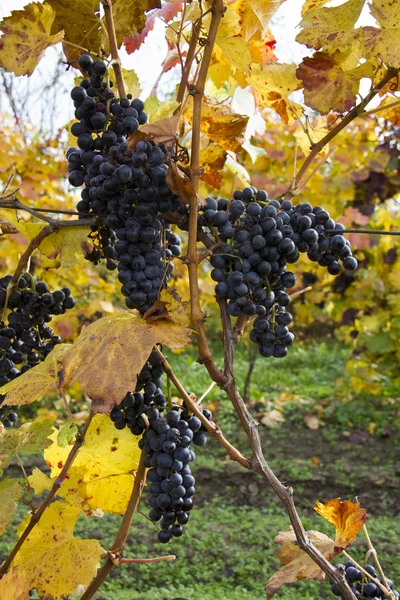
(376, 561)
(112, 38)
(37, 514)
(142, 561)
(119, 542)
(385, 590)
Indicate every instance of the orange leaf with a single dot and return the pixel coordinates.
(213, 159)
(181, 185)
(347, 518)
(298, 565)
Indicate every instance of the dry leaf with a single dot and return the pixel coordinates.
(162, 131)
(298, 565)
(347, 517)
(312, 421)
(118, 345)
(14, 585)
(272, 418)
(212, 159)
(169, 307)
(182, 186)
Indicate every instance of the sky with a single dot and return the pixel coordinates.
(147, 60)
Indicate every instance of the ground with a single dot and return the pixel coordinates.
(227, 552)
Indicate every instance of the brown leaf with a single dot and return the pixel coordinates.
(272, 418)
(181, 185)
(298, 565)
(162, 131)
(136, 137)
(347, 517)
(212, 159)
(311, 421)
(118, 346)
(170, 308)
(327, 87)
(220, 124)
(7, 227)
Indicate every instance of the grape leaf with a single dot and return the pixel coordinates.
(383, 43)
(255, 15)
(298, 565)
(388, 109)
(234, 47)
(26, 35)
(14, 585)
(119, 346)
(36, 382)
(157, 111)
(166, 13)
(67, 431)
(327, 86)
(80, 21)
(132, 82)
(39, 481)
(130, 18)
(220, 124)
(102, 473)
(310, 4)
(272, 84)
(10, 491)
(39, 558)
(182, 186)
(330, 28)
(30, 437)
(213, 158)
(347, 517)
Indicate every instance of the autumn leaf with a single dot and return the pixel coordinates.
(81, 23)
(233, 45)
(310, 4)
(181, 185)
(68, 430)
(327, 87)
(119, 346)
(384, 42)
(132, 82)
(330, 28)
(389, 109)
(255, 15)
(10, 491)
(30, 437)
(26, 35)
(166, 13)
(347, 517)
(39, 558)
(35, 383)
(14, 585)
(102, 475)
(212, 159)
(298, 565)
(220, 124)
(130, 18)
(272, 84)
(170, 308)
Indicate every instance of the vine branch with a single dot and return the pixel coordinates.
(37, 514)
(116, 64)
(119, 542)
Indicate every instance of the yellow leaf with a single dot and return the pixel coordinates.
(102, 473)
(347, 517)
(52, 559)
(35, 383)
(10, 491)
(298, 565)
(255, 15)
(221, 124)
(119, 346)
(14, 585)
(80, 21)
(383, 43)
(30, 437)
(169, 308)
(157, 111)
(310, 4)
(26, 35)
(236, 52)
(132, 82)
(39, 481)
(130, 17)
(330, 28)
(327, 87)
(317, 130)
(272, 85)
(212, 159)
(65, 248)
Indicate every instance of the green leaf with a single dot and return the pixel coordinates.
(67, 431)
(30, 437)
(10, 490)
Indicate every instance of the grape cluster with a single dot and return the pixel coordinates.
(25, 337)
(126, 186)
(167, 444)
(166, 440)
(362, 587)
(258, 239)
